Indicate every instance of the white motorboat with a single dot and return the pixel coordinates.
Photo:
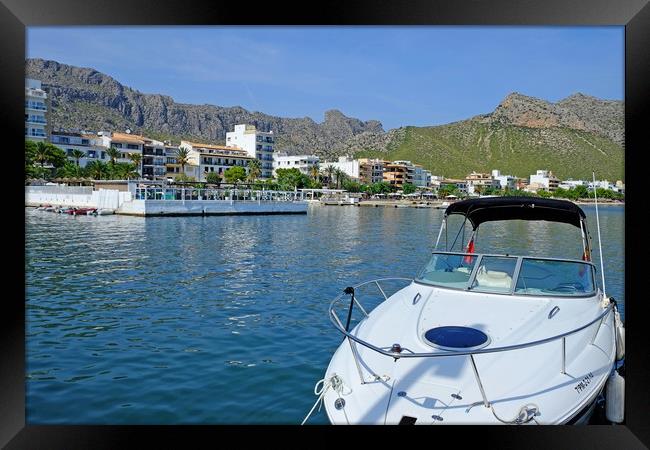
(479, 338)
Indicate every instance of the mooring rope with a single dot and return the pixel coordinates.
(334, 382)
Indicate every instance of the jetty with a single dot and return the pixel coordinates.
(139, 199)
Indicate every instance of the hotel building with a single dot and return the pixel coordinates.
(90, 144)
(303, 163)
(371, 170)
(207, 158)
(421, 177)
(544, 179)
(505, 181)
(398, 173)
(478, 182)
(35, 111)
(257, 144)
(152, 165)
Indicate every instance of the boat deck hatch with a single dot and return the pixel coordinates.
(456, 338)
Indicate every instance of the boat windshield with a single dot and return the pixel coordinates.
(505, 274)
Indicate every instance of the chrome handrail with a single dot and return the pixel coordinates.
(398, 354)
(349, 335)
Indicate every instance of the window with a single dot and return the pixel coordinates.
(449, 270)
(84, 142)
(494, 274)
(133, 147)
(550, 277)
(103, 155)
(69, 152)
(116, 145)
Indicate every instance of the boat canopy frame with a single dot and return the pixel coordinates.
(481, 210)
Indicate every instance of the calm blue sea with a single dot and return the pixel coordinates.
(223, 320)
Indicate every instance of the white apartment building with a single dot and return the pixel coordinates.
(304, 163)
(346, 164)
(90, 144)
(421, 177)
(505, 181)
(126, 143)
(35, 111)
(570, 184)
(544, 179)
(481, 181)
(257, 144)
(207, 158)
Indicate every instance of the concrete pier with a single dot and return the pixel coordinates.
(169, 201)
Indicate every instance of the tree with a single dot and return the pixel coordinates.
(353, 186)
(254, 169)
(340, 176)
(329, 171)
(182, 178)
(544, 194)
(96, 170)
(136, 159)
(113, 154)
(41, 153)
(213, 178)
(314, 171)
(408, 188)
(235, 174)
(289, 179)
(380, 187)
(57, 157)
(580, 191)
(69, 170)
(182, 157)
(77, 155)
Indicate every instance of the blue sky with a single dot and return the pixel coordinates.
(397, 75)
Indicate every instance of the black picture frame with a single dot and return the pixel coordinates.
(15, 15)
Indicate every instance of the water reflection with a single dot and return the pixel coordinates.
(195, 319)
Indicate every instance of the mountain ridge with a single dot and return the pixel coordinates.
(576, 128)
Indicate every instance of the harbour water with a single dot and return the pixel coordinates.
(223, 320)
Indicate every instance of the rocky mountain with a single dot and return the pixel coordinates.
(523, 134)
(87, 99)
(571, 137)
(577, 112)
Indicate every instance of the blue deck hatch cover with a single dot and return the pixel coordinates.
(457, 338)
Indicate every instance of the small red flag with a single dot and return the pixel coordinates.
(470, 249)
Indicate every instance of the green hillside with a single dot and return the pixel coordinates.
(456, 149)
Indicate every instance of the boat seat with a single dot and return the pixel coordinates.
(493, 278)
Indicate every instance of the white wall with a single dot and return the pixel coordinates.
(80, 196)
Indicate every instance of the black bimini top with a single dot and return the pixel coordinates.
(481, 210)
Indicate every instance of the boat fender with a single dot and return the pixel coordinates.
(620, 336)
(615, 398)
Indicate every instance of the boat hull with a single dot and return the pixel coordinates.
(445, 389)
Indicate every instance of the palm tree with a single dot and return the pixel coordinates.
(96, 169)
(330, 170)
(113, 154)
(254, 169)
(77, 155)
(340, 176)
(182, 157)
(136, 158)
(131, 171)
(314, 172)
(42, 153)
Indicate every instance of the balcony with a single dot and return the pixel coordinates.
(35, 106)
(36, 121)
